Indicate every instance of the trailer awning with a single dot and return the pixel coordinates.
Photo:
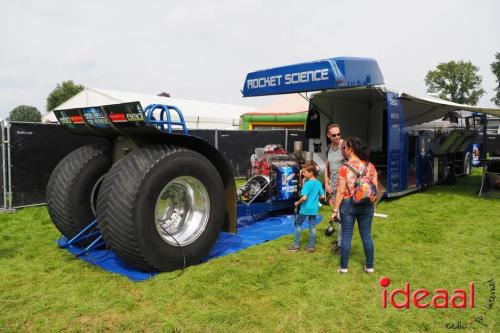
(418, 109)
(432, 105)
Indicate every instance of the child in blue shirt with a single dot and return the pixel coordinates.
(312, 192)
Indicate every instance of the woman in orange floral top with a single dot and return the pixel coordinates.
(358, 154)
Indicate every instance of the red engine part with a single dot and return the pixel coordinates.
(262, 165)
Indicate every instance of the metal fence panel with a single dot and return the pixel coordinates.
(35, 149)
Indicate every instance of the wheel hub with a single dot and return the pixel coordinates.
(182, 211)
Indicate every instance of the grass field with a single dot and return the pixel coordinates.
(442, 238)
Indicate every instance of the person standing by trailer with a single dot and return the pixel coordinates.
(352, 204)
(311, 194)
(334, 159)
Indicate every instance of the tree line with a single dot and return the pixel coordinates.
(59, 95)
(455, 81)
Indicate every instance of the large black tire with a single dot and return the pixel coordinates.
(70, 186)
(127, 211)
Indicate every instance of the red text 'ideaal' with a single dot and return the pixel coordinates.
(423, 298)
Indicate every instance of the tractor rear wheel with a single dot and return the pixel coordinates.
(70, 187)
(161, 207)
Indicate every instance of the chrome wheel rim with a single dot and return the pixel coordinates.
(182, 210)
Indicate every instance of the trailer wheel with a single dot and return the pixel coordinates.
(160, 206)
(467, 164)
(70, 187)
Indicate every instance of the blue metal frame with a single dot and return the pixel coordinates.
(257, 208)
(87, 232)
(165, 112)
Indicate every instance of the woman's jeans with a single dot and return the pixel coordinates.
(299, 219)
(349, 212)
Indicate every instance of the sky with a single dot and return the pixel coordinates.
(202, 50)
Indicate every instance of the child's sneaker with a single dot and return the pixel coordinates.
(310, 249)
(342, 270)
(369, 270)
(293, 248)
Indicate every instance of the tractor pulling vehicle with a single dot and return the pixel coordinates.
(159, 199)
(156, 198)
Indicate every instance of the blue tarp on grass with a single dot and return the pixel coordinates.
(250, 232)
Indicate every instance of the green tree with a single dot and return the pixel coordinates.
(62, 93)
(25, 113)
(495, 68)
(456, 81)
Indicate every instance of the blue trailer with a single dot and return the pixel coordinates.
(399, 127)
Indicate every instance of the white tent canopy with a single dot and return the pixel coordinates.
(197, 114)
